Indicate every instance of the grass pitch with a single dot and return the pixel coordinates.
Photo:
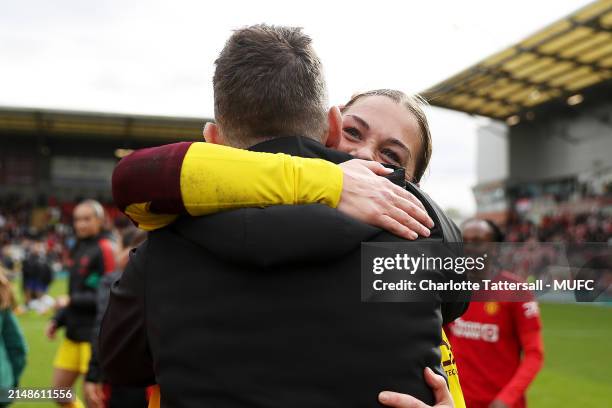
(576, 370)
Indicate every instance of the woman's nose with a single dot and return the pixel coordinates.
(364, 152)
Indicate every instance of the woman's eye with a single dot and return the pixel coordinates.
(353, 132)
(391, 155)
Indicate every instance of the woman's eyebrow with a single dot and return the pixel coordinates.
(360, 120)
(401, 145)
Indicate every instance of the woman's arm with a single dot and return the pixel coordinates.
(529, 328)
(153, 186)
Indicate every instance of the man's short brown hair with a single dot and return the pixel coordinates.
(269, 83)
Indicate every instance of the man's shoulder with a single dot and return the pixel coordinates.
(109, 278)
(131, 280)
(272, 236)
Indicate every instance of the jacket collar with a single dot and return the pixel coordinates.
(302, 147)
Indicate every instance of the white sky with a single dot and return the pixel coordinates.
(156, 57)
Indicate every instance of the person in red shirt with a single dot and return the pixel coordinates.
(497, 345)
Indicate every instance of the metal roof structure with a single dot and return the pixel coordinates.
(556, 63)
(101, 125)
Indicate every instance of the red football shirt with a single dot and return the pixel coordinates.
(498, 349)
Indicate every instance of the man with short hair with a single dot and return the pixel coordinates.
(266, 309)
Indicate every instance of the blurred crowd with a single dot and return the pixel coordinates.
(595, 226)
(36, 242)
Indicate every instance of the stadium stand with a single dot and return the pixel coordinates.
(549, 161)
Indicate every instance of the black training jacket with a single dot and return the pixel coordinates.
(261, 308)
(91, 259)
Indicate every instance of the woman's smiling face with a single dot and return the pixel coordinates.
(377, 128)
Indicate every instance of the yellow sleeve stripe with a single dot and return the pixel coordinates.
(216, 177)
(146, 220)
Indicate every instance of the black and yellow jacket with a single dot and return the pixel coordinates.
(155, 186)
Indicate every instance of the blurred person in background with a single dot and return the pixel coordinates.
(121, 226)
(497, 345)
(6, 261)
(97, 394)
(27, 277)
(37, 275)
(12, 343)
(92, 257)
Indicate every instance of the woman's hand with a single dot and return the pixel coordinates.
(438, 386)
(51, 330)
(377, 201)
(94, 395)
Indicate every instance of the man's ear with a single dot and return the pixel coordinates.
(212, 134)
(334, 131)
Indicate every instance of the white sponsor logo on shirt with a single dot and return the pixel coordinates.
(531, 309)
(477, 331)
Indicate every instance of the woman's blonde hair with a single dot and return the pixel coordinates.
(7, 297)
(414, 104)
